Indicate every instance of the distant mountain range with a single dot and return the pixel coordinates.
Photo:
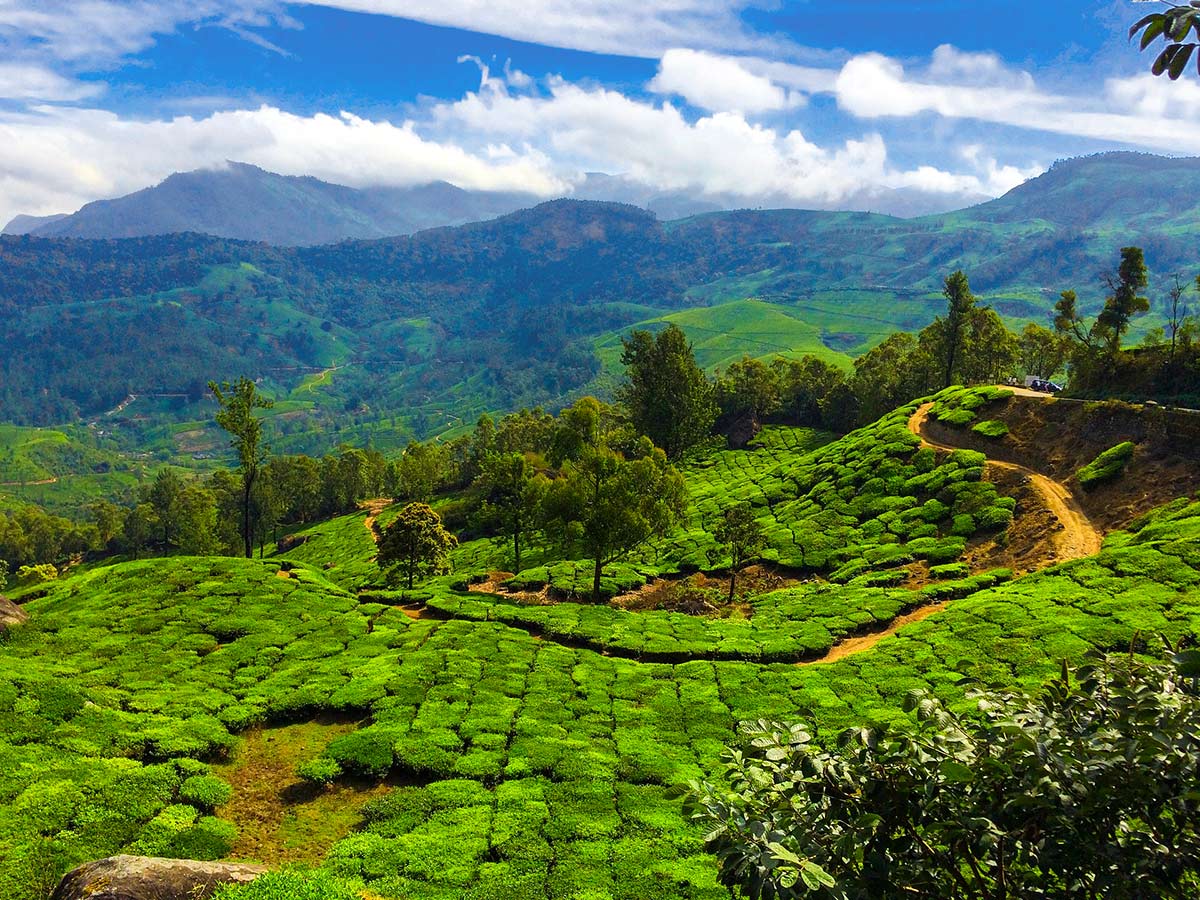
(244, 202)
(528, 308)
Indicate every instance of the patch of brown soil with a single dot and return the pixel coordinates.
(1075, 536)
(852, 646)
(698, 594)
(283, 573)
(281, 818)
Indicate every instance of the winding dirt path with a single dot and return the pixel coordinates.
(1079, 536)
(374, 508)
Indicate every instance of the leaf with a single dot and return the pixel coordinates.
(1143, 22)
(1188, 663)
(1180, 60)
(1153, 31)
(956, 772)
(819, 877)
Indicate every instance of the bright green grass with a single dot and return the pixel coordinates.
(536, 770)
(1107, 466)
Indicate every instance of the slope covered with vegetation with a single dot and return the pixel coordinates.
(533, 749)
(413, 335)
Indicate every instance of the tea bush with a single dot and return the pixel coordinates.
(1107, 466)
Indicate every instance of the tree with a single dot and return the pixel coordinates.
(1084, 791)
(1173, 26)
(891, 374)
(1124, 302)
(164, 497)
(803, 384)
(510, 494)
(197, 520)
(742, 537)
(140, 524)
(420, 471)
(1041, 351)
(108, 518)
(990, 350)
(748, 387)
(415, 544)
(236, 415)
(1177, 311)
(667, 395)
(946, 336)
(607, 505)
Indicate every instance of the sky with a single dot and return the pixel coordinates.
(795, 102)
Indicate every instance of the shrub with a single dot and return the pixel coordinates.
(364, 752)
(36, 574)
(321, 770)
(205, 791)
(290, 885)
(1107, 466)
(992, 428)
(950, 570)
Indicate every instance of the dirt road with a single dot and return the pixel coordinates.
(1078, 538)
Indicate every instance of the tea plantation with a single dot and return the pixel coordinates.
(533, 749)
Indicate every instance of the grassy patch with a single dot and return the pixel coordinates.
(1107, 466)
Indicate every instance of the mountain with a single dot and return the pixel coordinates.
(29, 224)
(245, 202)
(380, 339)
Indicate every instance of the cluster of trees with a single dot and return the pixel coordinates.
(1166, 365)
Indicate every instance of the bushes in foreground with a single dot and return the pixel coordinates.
(1086, 790)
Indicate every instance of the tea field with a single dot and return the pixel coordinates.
(531, 750)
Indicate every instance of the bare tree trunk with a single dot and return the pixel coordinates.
(596, 580)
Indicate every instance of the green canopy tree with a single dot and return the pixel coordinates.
(237, 403)
(415, 544)
(947, 336)
(510, 493)
(742, 537)
(668, 397)
(1124, 302)
(607, 505)
(139, 526)
(163, 495)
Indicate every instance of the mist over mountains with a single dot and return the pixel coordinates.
(244, 202)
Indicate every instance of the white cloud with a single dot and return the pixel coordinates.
(54, 159)
(21, 81)
(717, 83)
(1140, 111)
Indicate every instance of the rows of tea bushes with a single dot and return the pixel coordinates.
(961, 406)
(872, 500)
(784, 626)
(534, 768)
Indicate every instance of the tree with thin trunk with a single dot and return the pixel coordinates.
(510, 494)
(742, 536)
(959, 303)
(607, 505)
(236, 415)
(415, 544)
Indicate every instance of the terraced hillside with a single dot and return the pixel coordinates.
(484, 748)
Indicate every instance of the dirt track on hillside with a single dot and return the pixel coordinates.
(1078, 538)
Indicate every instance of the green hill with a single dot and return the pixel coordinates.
(487, 748)
(380, 340)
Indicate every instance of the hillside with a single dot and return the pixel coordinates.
(480, 746)
(412, 335)
(244, 202)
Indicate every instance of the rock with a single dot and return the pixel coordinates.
(150, 878)
(11, 615)
(291, 542)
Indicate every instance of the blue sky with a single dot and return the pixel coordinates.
(816, 104)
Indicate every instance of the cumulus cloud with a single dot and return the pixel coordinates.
(717, 83)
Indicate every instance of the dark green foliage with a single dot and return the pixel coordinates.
(1174, 27)
(415, 544)
(1087, 789)
(667, 395)
(1107, 466)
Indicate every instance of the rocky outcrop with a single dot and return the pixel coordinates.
(150, 878)
(290, 542)
(11, 615)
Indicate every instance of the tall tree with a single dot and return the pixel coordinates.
(237, 404)
(1124, 302)
(742, 537)
(510, 494)
(415, 544)
(952, 334)
(1042, 352)
(608, 505)
(140, 523)
(667, 394)
(163, 495)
